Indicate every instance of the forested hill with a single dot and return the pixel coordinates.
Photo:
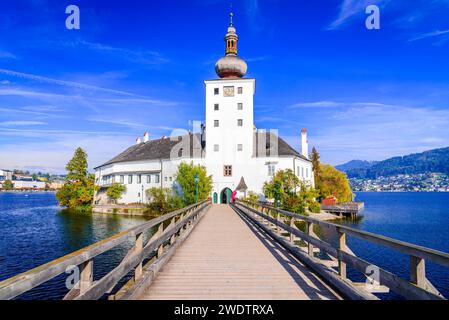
(426, 162)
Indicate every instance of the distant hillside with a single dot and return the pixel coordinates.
(355, 164)
(426, 162)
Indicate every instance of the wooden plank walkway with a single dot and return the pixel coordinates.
(226, 257)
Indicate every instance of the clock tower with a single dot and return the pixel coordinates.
(229, 117)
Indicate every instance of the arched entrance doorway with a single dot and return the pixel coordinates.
(225, 196)
(215, 198)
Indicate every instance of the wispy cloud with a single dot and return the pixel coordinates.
(375, 130)
(349, 9)
(433, 34)
(7, 55)
(21, 123)
(144, 57)
(77, 85)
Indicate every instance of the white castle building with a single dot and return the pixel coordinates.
(236, 154)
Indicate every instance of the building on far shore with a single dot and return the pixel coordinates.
(5, 175)
(19, 184)
(237, 154)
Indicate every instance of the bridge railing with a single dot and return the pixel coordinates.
(171, 230)
(417, 287)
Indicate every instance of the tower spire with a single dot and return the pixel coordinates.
(231, 66)
(231, 15)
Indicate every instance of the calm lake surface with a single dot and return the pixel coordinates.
(418, 218)
(34, 231)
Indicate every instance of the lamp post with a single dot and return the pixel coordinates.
(197, 180)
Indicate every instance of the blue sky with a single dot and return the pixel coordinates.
(140, 65)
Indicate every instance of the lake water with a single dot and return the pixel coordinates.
(418, 218)
(34, 231)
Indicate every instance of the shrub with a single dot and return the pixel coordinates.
(315, 207)
(115, 191)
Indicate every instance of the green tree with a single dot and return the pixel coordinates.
(115, 191)
(7, 185)
(283, 184)
(334, 183)
(186, 179)
(315, 157)
(289, 192)
(78, 190)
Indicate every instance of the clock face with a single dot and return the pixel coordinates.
(228, 91)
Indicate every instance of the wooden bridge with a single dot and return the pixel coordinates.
(242, 251)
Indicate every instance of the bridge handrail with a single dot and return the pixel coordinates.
(435, 256)
(420, 285)
(17, 285)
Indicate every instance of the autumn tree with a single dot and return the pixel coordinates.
(334, 183)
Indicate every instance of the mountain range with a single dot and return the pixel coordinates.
(431, 161)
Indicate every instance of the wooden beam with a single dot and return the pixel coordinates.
(86, 275)
(138, 246)
(418, 271)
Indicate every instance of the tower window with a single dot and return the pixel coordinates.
(216, 123)
(216, 91)
(239, 90)
(216, 147)
(216, 107)
(227, 171)
(239, 147)
(139, 178)
(240, 106)
(130, 179)
(148, 178)
(240, 122)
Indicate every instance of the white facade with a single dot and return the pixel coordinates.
(234, 148)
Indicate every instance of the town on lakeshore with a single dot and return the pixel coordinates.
(284, 189)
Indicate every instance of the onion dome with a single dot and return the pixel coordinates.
(231, 66)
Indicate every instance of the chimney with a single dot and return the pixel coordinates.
(138, 140)
(146, 137)
(304, 143)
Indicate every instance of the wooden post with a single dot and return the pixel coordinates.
(278, 219)
(309, 230)
(86, 275)
(172, 224)
(183, 227)
(138, 249)
(156, 235)
(418, 271)
(292, 236)
(341, 247)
